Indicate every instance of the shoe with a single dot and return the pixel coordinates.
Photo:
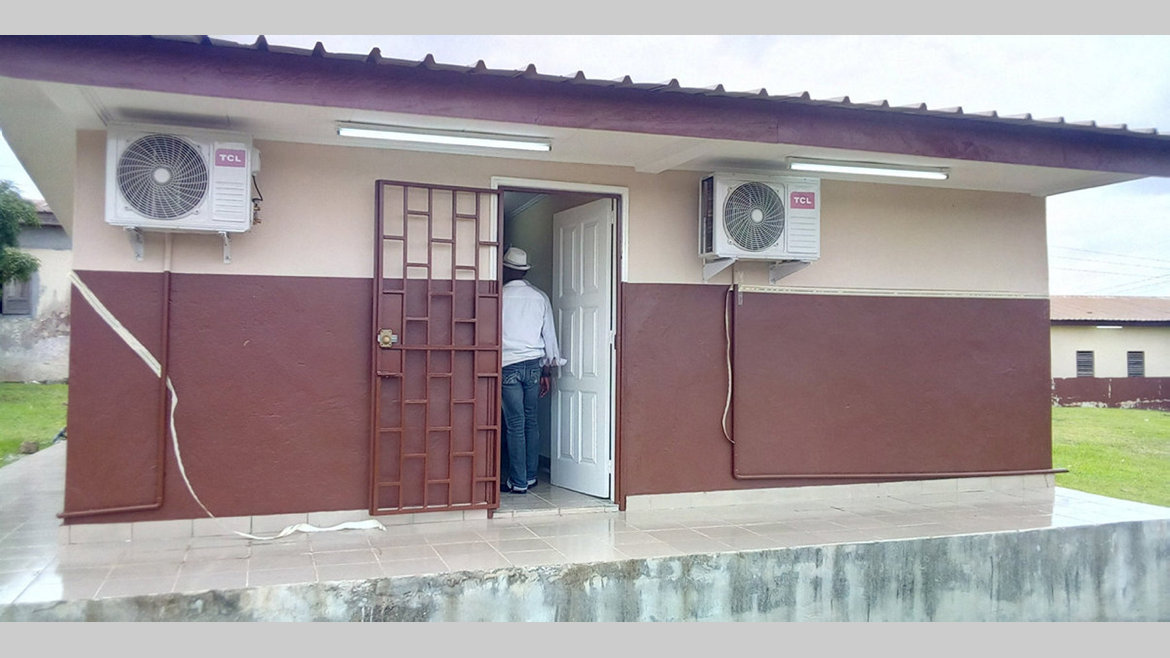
(508, 488)
(532, 483)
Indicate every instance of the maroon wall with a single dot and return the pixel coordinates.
(1137, 392)
(114, 398)
(272, 376)
(828, 386)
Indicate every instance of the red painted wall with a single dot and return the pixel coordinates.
(272, 376)
(1137, 392)
(114, 398)
(828, 385)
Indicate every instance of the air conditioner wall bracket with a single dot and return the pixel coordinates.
(713, 267)
(136, 241)
(781, 269)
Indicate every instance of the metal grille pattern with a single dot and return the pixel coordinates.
(754, 216)
(435, 400)
(162, 176)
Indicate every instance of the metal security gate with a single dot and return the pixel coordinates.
(436, 354)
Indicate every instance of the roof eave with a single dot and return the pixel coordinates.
(202, 66)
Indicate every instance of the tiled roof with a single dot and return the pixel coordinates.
(672, 86)
(1111, 309)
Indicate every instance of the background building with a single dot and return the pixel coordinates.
(1111, 351)
(34, 314)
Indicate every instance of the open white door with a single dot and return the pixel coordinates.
(580, 446)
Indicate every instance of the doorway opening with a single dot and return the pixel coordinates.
(571, 237)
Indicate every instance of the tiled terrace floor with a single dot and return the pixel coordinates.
(547, 526)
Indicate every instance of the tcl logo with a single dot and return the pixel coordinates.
(804, 200)
(229, 157)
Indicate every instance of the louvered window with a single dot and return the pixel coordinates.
(18, 298)
(1135, 364)
(1084, 364)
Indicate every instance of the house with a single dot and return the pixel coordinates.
(1111, 351)
(34, 314)
(333, 345)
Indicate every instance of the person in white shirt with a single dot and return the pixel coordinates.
(529, 352)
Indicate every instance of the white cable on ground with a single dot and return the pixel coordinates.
(156, 367)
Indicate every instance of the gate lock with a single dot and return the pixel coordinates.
(387, 338)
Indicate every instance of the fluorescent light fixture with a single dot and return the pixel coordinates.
(1108, 326)
(443, 137)
(867, 169)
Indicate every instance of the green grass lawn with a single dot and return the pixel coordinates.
(29, 412)
(1120, 453)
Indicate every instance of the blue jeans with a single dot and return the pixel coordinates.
(521, 391)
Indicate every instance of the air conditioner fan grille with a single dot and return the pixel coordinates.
(162, 176)
(753, 215)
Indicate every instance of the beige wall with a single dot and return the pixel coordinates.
(318, 210)
(1109, 347)
(896, 237)
(317, 216)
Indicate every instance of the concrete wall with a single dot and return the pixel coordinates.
(1123, 392)
(1107, 572)
(36, 347)
(1109, 347)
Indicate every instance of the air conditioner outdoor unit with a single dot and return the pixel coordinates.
(178, 179)
(746, 217)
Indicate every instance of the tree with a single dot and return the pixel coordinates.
(15, 213)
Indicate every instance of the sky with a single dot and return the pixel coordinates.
(1106, 241)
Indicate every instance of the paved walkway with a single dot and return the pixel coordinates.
(37, 564)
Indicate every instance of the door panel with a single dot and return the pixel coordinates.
(580, 447)
(436, 353)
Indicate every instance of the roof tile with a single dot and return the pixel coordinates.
(1109, 309)
(673, 86)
